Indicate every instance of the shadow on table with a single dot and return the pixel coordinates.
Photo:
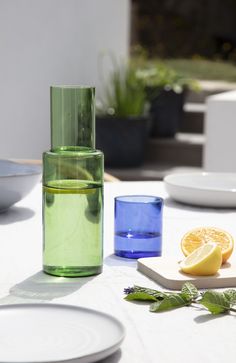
(114, 358)
(44, 287)
(15, 214)
(113, 260)
(170, 203)
(207, 317)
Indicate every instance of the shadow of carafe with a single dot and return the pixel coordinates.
(41, 287)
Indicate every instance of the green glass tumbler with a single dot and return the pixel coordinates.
(73, 212)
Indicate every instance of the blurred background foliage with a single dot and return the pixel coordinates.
(196, 38)
(134, 84)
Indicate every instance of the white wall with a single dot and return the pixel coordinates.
(220, 130)
(44, 42)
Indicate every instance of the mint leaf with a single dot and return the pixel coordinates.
(140, 296)
(189, 290)
(230, 295)
(157, 294)
(215, 302)
(172, 301)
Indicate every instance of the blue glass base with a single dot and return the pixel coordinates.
(137, 254)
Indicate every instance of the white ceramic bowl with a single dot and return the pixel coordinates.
(16, 181)
(203, 189)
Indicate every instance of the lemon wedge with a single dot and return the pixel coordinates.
(205, 260)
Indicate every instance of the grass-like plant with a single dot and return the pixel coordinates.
(132, 86)
(124, 95)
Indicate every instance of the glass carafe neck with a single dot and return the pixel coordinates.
(72, 116)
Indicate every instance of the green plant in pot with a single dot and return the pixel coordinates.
(166, 90)
(122, 122)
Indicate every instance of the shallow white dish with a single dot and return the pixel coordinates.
(40, 333)
(203, 189)
(16, 181)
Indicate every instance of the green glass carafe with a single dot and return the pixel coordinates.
(72, 187)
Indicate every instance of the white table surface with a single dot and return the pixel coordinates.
(186, 334)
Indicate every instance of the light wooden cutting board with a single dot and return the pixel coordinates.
(166, 272)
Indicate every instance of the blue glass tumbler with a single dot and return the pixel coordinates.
(138, 226)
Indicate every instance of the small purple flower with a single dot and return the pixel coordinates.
(129, 290)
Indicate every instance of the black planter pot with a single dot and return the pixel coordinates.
(122, 140)
(166, 113)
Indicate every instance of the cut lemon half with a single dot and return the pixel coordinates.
(199, 236)
(205, 260)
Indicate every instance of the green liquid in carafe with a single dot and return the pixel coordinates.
(72, 221)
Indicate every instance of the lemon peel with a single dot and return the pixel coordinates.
(203, 261)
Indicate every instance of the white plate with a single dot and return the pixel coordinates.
(203, 189)
(31, 333)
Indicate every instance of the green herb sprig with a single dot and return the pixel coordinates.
(214, 301)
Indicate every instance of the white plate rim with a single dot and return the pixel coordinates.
(169, 180)
(97, 356)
